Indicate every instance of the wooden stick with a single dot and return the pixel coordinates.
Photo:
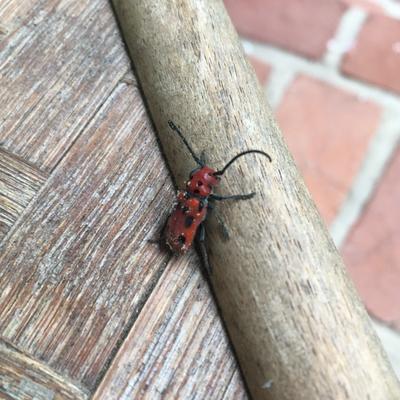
(296, 323)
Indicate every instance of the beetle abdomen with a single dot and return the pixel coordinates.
(184, 221)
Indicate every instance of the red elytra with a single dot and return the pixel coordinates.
(186, 220)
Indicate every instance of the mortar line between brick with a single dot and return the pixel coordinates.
(391, 7)
(379, 152)
(346, 34)
(282, 60)
(381, 146)
(279, 82)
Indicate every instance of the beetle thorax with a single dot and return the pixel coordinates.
(202, 182)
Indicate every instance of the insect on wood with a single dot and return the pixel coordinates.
(186, 222)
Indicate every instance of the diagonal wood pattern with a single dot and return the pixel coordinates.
(179, 320)
(19, 182)
(22, 377)
(90, 266)
(56, 71)
(87, 305)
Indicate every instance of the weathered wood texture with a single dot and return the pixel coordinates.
(13, 14)
(19, 182)
(56, 71)
(180, 343)
(298, 327)
(22, 377)
(76, 268)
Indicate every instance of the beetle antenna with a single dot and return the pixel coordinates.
(222, 171)
(176, 129)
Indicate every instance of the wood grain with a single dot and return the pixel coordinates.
(298, 327)
(19, 182)
(22, 377)
(56, 71)
(235, 388)
(177, 348)
(77, 270)
(15, 14)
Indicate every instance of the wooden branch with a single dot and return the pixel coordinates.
(297, 325)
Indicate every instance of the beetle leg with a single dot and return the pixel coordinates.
(233, 197)
(223, 228)
(202, 246)
(222, 225)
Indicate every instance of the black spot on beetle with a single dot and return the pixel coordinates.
(188, 221)
(185, 209)
(181, 239)
(199, 183)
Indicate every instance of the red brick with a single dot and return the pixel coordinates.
(376, 56)
(327, 131)
(302, 26)
(261, 69)
(372, 250)
(368, 5)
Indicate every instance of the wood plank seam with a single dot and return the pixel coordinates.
(228, 386)
(178, 347)
(81, 239)
(92, 117)
(63, 94)
(20, 181)
(135, 314)
(3, 187)
(22, 375)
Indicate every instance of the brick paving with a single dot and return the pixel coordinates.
(261, 69)
(287, 24)
(333, 78)
(372, 250)
(368, 5)
(376, 56)
(328, 145)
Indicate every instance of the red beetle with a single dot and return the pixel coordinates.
(186, 220)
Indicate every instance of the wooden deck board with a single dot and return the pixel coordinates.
(83, 294)
(177, 347)
(19, 182)
(14, 14)
(56, 71)
(78, 265)
(22, 377)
